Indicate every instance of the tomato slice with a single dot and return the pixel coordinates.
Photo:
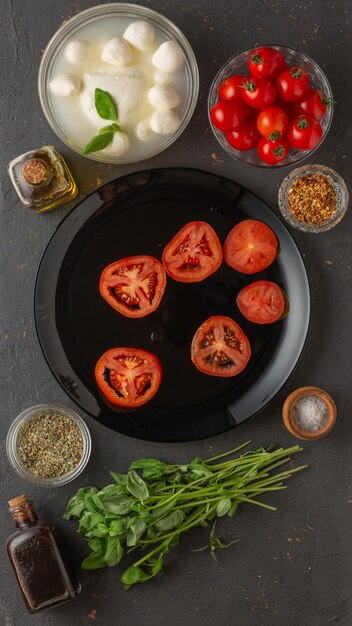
(128, 377)
(133, 286)
(220, 347)
(193, 253)
(261, 302)
(250, 247)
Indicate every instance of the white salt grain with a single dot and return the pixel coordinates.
(310, 413)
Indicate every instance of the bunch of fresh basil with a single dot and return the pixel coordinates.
(150, 513)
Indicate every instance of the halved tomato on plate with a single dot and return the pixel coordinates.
(261, 302)
(134, 285)
(250, 247)
(128, 377)
(220, 347)
(193, 253)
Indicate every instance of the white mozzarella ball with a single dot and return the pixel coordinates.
(65, 85)
(119, 144)
(117, 52)
(168, 57)
(163, 97)
(160, 78)
(77, 51)
(164, 122)
(140, 35)
(144, 131)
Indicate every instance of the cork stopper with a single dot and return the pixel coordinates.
(19, 501)
(35, 171)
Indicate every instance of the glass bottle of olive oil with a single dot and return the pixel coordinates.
(42, 179)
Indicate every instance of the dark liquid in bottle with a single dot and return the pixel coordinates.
(41, 573)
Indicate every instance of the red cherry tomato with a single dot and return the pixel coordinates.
(272, 152)
(250, 247)
(128, 377)
(261, 302)
(292, 83)
(272, 122)
(259, 92)
(220, 347)
(193, 253)
(304, 133)
(133, 286)
(313, 103)
(266, 62)
(231, 88)
(227, 115)
(246, 137)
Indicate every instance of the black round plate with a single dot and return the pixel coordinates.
(138, 214)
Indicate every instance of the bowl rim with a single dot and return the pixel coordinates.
(306, 170)
(238, 155)
(12, 438)
(81, 19)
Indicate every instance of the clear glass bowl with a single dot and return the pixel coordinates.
(92, 16)
(341, 194)
(238, 64)
(12, 439)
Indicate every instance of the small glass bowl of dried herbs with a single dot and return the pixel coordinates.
(313, 198)
(48, 445)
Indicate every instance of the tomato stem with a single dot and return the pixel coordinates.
(279, 151)
(257, 59)
(325, 100)
(302, 123)
(297, 72)
(249, 85)
(274, 136)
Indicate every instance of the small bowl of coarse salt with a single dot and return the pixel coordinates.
(309, 413)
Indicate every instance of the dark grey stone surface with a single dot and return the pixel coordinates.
(290, 567)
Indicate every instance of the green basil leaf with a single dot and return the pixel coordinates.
(133, 575)
(112, 128)
(147, 463)
(161, 510)
(223, 507)
(99, 142)
(233, 509)
(76, 505)
(93, 503)
(198, 468)
(114, 552)
(95, 560)
(135, 530)
(158, 565)
(136, 486)
(110, 491)
(105, 105)
(120, 479)
(171, 521)
(97, 544)
(89, 521)
(119, 505)
(117, 527)
(101, 530)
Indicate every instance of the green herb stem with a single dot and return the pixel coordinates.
(152, 509)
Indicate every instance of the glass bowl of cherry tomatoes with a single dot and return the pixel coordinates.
(270, 106)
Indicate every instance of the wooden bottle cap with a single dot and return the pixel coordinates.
(290, 410)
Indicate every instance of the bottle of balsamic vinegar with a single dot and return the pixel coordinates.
(40, 570)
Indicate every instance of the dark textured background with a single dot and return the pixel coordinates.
(290, 567)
